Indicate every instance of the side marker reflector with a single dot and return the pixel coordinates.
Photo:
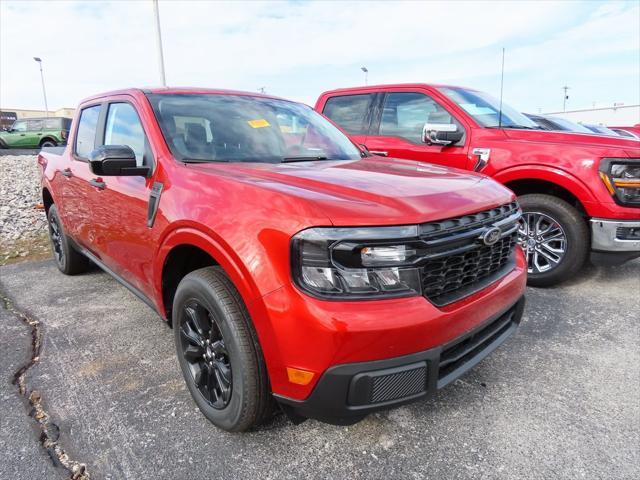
(299, 377)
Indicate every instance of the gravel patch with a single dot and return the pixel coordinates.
(22, 220)
(19, 197)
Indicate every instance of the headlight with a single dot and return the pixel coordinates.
(621, 176)
(357, 262)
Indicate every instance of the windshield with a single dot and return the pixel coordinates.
(486, 110)
(234, 128)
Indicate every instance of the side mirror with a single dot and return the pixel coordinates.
(113, 160)
(441, 133)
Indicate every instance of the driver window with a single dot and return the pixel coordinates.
(20, 126)
(124, 128)
(405, 113)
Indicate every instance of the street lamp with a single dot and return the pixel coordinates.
(366, 74)
(44, 91)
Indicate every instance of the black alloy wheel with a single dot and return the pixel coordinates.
(204, 349)
(55, 233)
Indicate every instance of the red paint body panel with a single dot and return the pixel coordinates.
(244, 216)
(569, 160)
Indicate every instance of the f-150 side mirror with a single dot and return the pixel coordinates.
(114, 160)
(441, 133)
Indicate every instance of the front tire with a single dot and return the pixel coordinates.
(554, 237)
(68, 260)
(218, 351)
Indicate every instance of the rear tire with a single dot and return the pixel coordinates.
(555, 238)
(218, 351)
(68, 260)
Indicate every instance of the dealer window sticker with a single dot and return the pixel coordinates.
(258, 123)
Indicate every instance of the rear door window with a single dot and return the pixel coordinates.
(86, 136)
(350, 112)
(35, 125)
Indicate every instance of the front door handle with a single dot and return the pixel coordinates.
(96, 182)
(67, 173)
(380, 153)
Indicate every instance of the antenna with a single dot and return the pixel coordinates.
(501, 90)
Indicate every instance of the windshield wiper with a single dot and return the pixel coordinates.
(202, 160)
(523, 127)
(304, 159)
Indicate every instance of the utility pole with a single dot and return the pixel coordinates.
(159, 42)
(565, 98)
(44, 91)
(366, 75)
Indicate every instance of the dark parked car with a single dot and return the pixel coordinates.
(36, 132)
(600, 129)
(557, 124)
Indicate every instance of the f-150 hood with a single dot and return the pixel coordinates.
(582, 139)
(372, 190)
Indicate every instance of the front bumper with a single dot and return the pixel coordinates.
(614, 235)
(348, 392)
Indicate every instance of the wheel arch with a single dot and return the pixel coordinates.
(187, 249)
(53, 139)
(47, 199)
(555, 182)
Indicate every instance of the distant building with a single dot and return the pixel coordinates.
(616, 115)
(22, 113)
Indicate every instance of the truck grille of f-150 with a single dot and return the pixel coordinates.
(462, 260)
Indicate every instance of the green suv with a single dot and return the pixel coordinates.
(36, 132)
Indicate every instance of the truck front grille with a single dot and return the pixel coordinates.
(460, 262)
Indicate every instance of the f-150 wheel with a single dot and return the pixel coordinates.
(554, 237)
(68, 260)
(218, 351)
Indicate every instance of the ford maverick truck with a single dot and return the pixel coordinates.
(294, 269)
(580, 193)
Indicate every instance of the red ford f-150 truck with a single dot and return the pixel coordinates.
(579, 193)
(292, 266)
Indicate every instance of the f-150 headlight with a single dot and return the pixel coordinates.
(621, 176)
(357, 262)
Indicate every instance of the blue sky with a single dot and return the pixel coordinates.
(299, 49)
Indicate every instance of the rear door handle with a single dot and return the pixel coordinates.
(67, 173)
(380, 153)
(99, 184)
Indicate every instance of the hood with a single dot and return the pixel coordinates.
(581, 139)
(372, 191)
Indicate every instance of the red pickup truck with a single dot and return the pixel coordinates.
(579, 193)
(290, 265)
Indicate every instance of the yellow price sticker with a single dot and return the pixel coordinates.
(259, 123)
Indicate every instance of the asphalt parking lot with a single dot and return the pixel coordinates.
(561, 399)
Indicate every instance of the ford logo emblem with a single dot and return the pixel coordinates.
(491, 236)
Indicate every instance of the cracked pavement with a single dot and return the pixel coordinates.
(561, 399)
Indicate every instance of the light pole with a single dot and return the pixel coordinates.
(366, 74)
(159, 42)
(44, 91)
